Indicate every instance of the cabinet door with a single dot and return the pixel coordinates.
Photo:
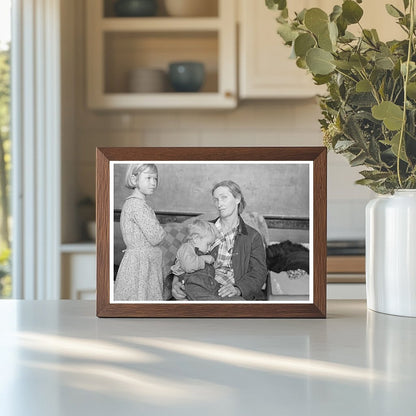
(266, 71)
(78, 276)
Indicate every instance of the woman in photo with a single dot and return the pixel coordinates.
(139, 277)
(240, 266)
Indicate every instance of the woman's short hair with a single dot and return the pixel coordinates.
(134, 170)
(202, 228)
(235, 191)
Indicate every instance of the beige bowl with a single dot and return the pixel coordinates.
(191, 8)
(147, 80)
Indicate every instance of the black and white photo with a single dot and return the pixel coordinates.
(211, 232)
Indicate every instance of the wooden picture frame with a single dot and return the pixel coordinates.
(272, 176)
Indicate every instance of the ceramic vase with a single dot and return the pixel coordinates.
(391, 253)
(135, 8)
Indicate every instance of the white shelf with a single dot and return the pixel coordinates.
(163, 100)
(81, 247)
(160, 24)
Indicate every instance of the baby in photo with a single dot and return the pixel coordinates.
(195, 267)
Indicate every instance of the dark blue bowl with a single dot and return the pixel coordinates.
(135, 8)
(186, 76)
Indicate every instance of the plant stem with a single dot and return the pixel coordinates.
(405, 81)
(373, 88)
(346, 75)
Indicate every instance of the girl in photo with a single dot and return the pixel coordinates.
(139, 277)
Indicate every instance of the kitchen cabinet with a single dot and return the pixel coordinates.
(118, 45)
(78, 263)
(265, 70)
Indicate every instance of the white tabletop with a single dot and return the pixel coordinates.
(57, 358)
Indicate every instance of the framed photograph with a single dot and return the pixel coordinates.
(211, 232)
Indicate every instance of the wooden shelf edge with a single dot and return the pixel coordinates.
(346, 264)
(160, 24)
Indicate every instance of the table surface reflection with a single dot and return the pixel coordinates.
(57, 358)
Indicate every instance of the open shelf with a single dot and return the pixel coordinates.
(118, 45)
(209, 9)
(127, 51)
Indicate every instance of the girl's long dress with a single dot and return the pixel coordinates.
(140, 274)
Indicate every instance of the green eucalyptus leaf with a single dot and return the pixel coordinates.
(382, 89)
(384, 62)
(321, 79)
(316, 20)
(405, 21)
(375, 35)
(276, 4)
(358, 160)
(374, 150)
(301, 15)
(285, 13)
(342, 25)
(334, 92)
(325, 42)
(377, 75)
(336, 12)
(271, 4)
(354, 132)
(333, 32)
(343, 145)
(282, 4)
(351, 11)
(393, 11)
(344, 65)
(319, 61)
(406, 4)
(412, 67)
(411, 90)
(281, 19)
(396, 70)
(358, 61)
(374, 174)
(365, 182)
(301, 63)
(391, 114)
(347, 37)
(363, 86)
(394, 143)
(303, 43)
(368, 36)
(287, 33)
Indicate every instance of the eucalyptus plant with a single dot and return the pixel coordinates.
(369, 111)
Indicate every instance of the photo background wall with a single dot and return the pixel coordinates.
(269, 189)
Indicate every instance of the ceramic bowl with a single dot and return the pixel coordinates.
(191, 8)
(186, 76)
(135, 8)
(147, 80)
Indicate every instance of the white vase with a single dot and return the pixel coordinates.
(391, 253)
